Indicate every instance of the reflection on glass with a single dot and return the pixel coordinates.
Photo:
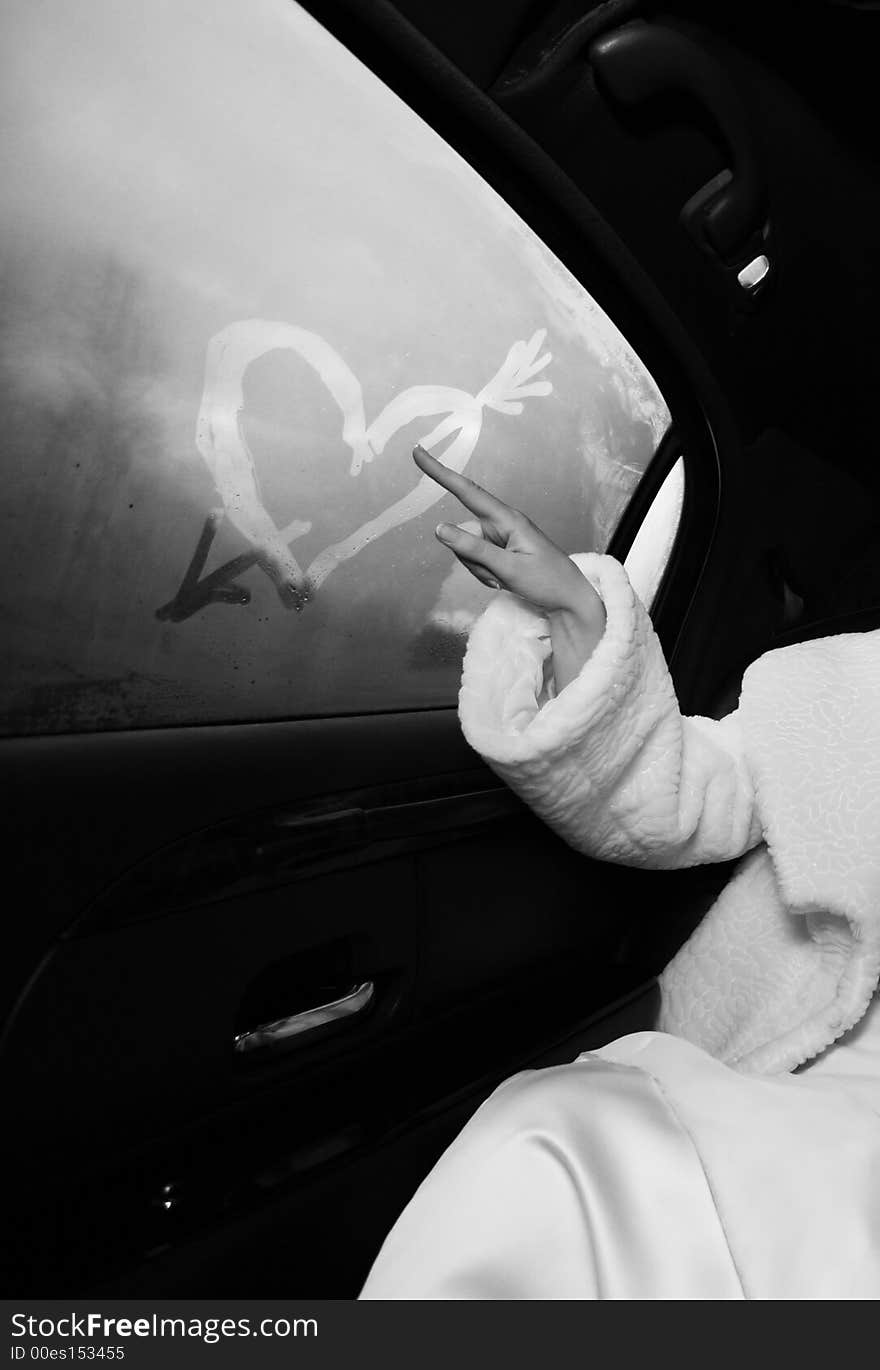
(652, 545)
(240, 280)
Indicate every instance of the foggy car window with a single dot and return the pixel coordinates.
(240, 280)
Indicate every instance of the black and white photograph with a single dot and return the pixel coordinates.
(440, 691)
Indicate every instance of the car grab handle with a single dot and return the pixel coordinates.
(642, 60)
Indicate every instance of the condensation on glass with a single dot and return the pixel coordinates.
(240, 279)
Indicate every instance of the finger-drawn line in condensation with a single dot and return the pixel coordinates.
(221, 443)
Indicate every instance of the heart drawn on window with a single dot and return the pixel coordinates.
(221, 443)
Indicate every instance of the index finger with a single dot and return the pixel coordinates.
(472, 496)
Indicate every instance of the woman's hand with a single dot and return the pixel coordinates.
(513, 554)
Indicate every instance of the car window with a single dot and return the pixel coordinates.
(652, 545)
(240, 280)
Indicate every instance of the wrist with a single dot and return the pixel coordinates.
(574, 634)
(577, 619)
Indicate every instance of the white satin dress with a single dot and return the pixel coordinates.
(650, 1170)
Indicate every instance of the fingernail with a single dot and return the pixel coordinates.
(419, 448)
(445, 532)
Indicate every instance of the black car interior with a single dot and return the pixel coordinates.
(177, 890)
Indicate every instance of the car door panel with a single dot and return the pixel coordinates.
(465, 913)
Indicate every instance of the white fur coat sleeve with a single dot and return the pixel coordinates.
(609, 762)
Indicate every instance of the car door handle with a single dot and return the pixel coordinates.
(641, 60)
(270, 1037)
